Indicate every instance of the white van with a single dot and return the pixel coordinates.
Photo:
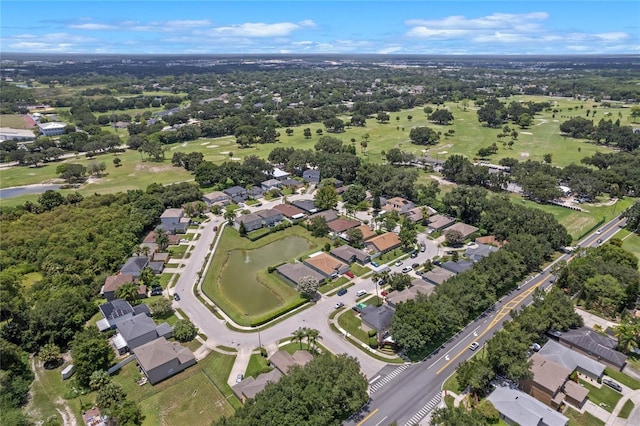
(360, 293)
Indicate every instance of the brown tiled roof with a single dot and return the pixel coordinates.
(325, 263)
(385, 241)
(288, 210)
(462, 228)
(548, 374)
(341, 225)
(490, 240)
(283, 361)
(151, 238)
(367, 232)
(114, 282)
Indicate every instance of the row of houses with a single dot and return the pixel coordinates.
(551, 386)
(138, 334)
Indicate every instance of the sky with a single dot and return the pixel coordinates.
(454, 27)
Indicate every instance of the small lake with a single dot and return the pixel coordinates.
(27, 189)
(238, 280)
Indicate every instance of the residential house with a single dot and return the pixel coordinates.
(173, 221)
(9, 134)
(160, 359)
(306, 205)
(216, 198)
(118, 310)
(350, 254)
(328, 215)
(340, 225)
(250, 387)
(311, 175)
(283, 361)
(377, 318)
(291, 183)
(367, 232)
(156, 267)
(270, 184)
(114, 282)
(171, 216)
(480, 251)
(294, 272)
(237, 193)
(398, 204)
(463, 228)
(490, 240)
(134, 265)
(572, 360)
(94, 417)
(280, 174)
(289, 211)
(595, 345)
(270, 216)
(151, 239)
(438, 222)
(417, 214)
(161, 257)
(138, 330)
(383, 243)
(252, 221)
(457, 267)
(518, 408)
(255, 192)
(437, 275)
(327, 265)
(548, 384)
(418, 286)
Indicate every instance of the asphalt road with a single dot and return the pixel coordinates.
(407, 395)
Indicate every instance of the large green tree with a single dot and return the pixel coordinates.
(90, 352)
(326, 197)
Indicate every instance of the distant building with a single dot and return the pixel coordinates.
(326, 265)
(8, 134)
(311, 175)
(383, 243)
(160, 359)
(518, 408)
(294, 272)
(51, 129)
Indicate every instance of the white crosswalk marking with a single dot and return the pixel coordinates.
(386, 379)
(430, 406)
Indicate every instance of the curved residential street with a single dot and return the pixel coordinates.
(314, 317)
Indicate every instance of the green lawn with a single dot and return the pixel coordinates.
(585, 419)
(451, 384)
(351, 323)
(177, 252)
(257, 365)
(15, 121)
(631, 242)
(30, 279)
(603, 395)
(331, 285)
(627, 408)
(358, 269)
(196, 396)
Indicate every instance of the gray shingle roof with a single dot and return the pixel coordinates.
(595, 345)
(378, 317)
(524, 409)
(571, 359)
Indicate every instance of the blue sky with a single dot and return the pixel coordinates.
(347, 27)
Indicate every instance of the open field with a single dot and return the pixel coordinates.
(468, 138)
(13, 121)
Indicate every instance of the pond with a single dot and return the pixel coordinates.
(27, 189)
(238, 281)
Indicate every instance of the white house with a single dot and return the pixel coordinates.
(51, 129)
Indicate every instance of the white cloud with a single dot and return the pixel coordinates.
(612, 36)
(496, 21)
(426, 32)
(260, 29)
(389, 50)
(93, 26)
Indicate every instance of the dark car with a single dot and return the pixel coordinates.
(342, 292)
(414, 255)
(176, 296)
(156, 291)
(437, 263)
(612, 384)
(415, 265)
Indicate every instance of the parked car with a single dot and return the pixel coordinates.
(384, 293)
(437, 263)
(415, 265)
(239, 378)
(414, 255)
(342, 292)
(375, 264)
(176, 296)
(349, 274)
(399, 262)
(423, 248)
(612, 384)
(406, 269)
(338, 305)
(474, 346)
(156, 291)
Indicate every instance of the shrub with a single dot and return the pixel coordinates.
(372, 333)
(373, 342)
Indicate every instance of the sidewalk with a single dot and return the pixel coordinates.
(240, 365)
(590, 320)
(614, 420)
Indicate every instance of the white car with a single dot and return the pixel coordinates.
(407, 269)
(599, 231)
(474, 346)
(338, 305)
(399, 262)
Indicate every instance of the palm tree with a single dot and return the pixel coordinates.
(162, 240)
(229, 215)
(627, 335)
(145, 250)
(299, 335)
(313, 336)
(128, 292)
